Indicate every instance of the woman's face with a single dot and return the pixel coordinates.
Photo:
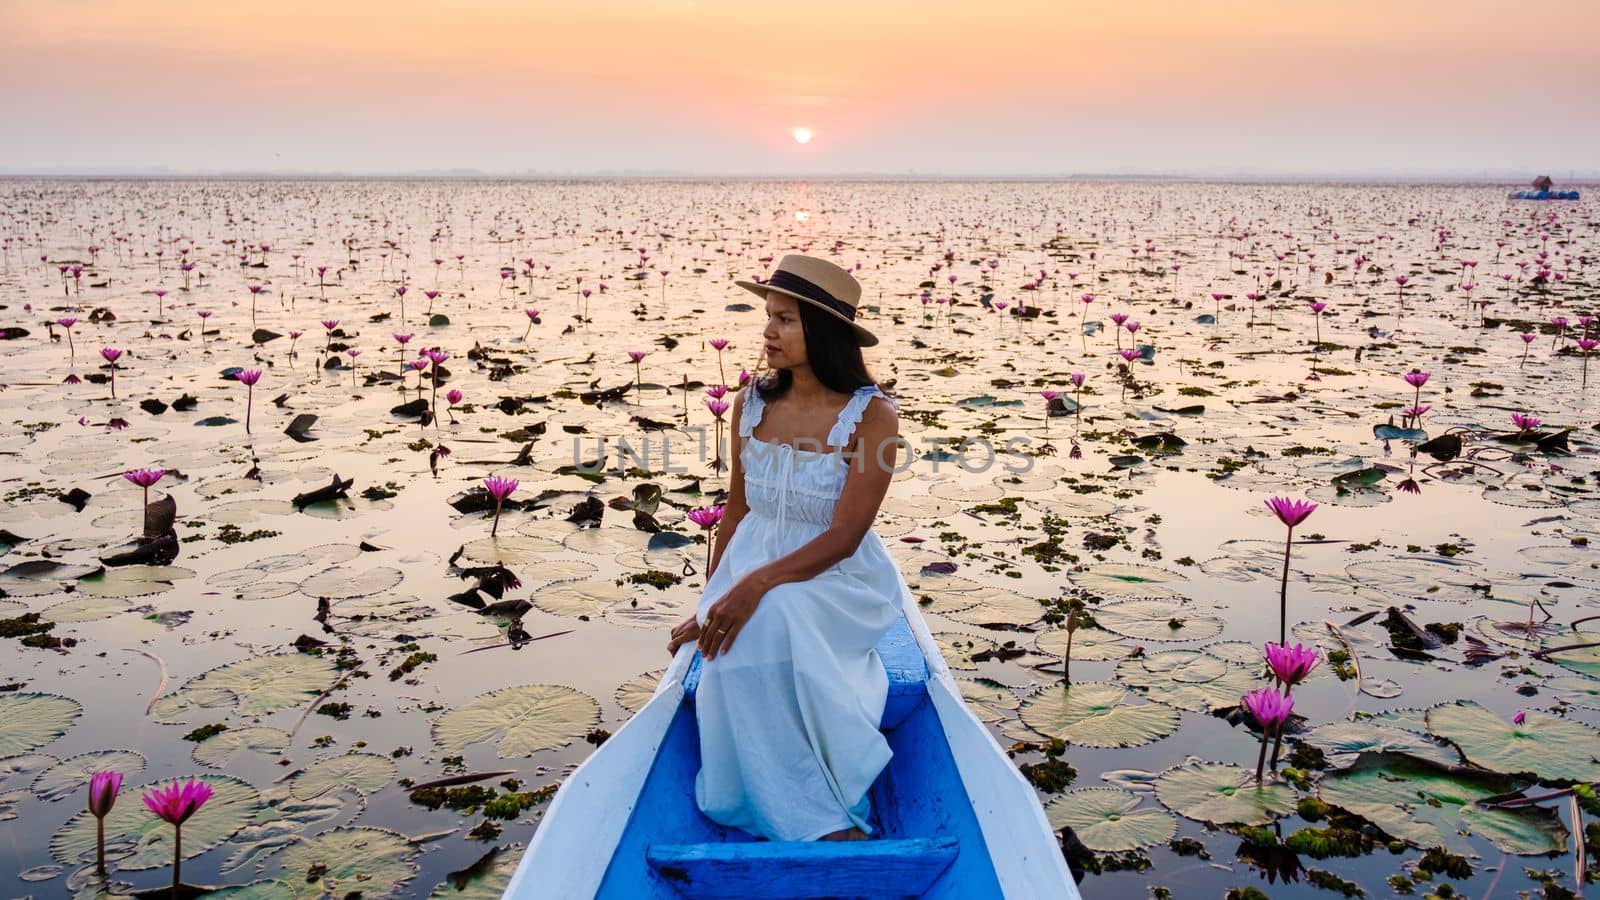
(785, 342)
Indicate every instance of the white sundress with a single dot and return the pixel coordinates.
(788, 718)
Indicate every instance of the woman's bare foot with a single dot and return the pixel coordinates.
(849, 834)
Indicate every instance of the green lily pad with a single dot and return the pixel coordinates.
(1421, 579)
(1088, 644)
(1133, 581)
(1157, 620)
(1584, 659)
(1343, 742)
(1549, 747)
(1223, 794)
(72, 776)
(958, 648)
(33, 720)
(344, 582)
(1153, 676)
(366, 772)
(531, 717)
(283, 818)
(1106, 821)
(585, 597)
(133, 581)
(1428, 806)
(1097, 714)
(370, 861)
(137, 840)
(989, 699)
(85, 608)
(634, 693)
(255, 686)
(223, 748)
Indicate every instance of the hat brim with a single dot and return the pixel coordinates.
(863, 337)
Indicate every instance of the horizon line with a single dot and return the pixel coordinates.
(1490, 176)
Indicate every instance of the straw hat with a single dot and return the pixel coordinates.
(819, 283)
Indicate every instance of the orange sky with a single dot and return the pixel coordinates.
(1001, 87)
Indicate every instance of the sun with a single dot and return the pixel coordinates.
(802, 135)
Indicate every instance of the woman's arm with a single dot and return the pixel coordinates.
(863, 492)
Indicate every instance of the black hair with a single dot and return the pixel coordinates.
(833, 351)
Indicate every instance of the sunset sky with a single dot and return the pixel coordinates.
(1002, 87)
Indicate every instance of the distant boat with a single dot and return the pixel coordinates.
(1543, 195)
(954, 817)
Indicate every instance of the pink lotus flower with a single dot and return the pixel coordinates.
(1416, 379)
(1291, 512)
(706, 516)
(717, 391)
(1519, 718)
(1119, 318)
(1133, 327)
(1318, 306)
(103, 788)
(453, 396)
(717, 407)
(144, 478)
(1291, 665)
(175, 804)
(1269, 707)
(744, 377)
(498, 488)
(1129, 354)
(248, 378)
(1524, 423)
(1077, 379)
(1271, 710)
(111, 354)
(1049, 395)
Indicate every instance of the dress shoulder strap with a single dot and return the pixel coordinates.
(850, 416)
(750, 416)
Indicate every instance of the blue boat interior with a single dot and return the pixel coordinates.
(928, 841)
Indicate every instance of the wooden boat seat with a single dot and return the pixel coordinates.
(902, 661)
(766, 870)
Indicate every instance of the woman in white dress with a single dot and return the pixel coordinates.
(801, 589)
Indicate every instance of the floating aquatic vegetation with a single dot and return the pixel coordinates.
(136, 840)
(372, 861)
(252, 687)
(1545, 746)
(1222, 794)
(526, 719)
(31, 720)
(364, 772)
(1096, 714)
(1157, 620)
(1429, 806)
(1108, 820)
(70, 776)
(227, 747)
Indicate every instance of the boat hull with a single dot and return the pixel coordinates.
(625, 824)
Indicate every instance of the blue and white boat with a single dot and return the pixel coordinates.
(954, 817)
(1543, 195)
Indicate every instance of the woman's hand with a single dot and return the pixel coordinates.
(727, 617)
(687, 630)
